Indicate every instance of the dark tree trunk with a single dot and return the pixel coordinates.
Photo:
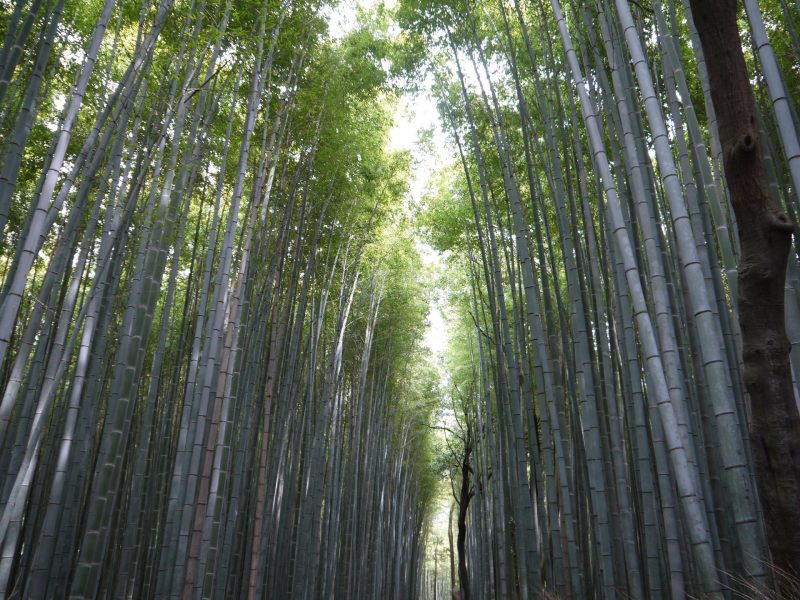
(465, 496)
(765, 236)
(450, 541)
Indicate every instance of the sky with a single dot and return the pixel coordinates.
(416, 113)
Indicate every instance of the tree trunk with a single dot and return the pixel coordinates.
(466, 494)
(450, 541)
(765, 237)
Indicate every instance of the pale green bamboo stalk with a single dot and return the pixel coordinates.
(693, 511)
(781, 103)
(738, 481)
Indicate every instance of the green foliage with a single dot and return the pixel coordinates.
(445, 215)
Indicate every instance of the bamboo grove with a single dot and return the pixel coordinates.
(213, 300)
(594, 267)
(212, 385)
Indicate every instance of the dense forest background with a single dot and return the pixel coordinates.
(216, 274)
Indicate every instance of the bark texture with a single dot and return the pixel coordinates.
(765, 236)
